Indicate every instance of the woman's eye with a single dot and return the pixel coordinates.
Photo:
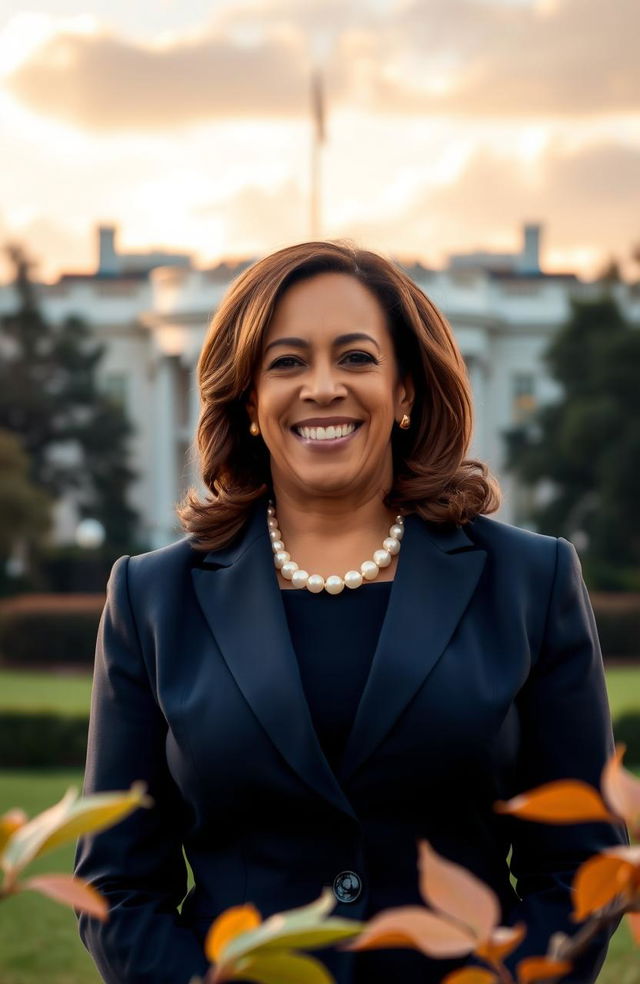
(285, 362)
(360, 358)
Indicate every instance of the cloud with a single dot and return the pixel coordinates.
(103, 83)
(587, 199)
(489, 58)
(468, 57)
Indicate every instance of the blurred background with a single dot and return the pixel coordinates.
(151, 151)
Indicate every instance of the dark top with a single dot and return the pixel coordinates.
(334, 638)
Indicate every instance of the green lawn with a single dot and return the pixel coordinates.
(38, 938)
(69, 693)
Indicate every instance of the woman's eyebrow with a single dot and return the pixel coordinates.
(354, 336)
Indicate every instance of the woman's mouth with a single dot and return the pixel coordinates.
(331, 436)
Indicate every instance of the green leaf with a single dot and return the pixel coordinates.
(282, 968)
(67, 820)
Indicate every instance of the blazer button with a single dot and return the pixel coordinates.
(347, 886)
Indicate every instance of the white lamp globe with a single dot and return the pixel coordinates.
(90, 534)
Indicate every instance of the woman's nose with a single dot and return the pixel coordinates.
(323, 384)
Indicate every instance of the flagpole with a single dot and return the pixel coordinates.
(317, 107)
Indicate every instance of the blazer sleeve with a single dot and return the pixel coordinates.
(565, 734)
(138, 864)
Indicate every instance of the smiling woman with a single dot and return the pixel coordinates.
(345, 655)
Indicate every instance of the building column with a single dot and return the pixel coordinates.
(478, 377)
(164, 523)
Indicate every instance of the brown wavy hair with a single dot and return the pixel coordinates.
(432, 477)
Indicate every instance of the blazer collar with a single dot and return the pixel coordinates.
(237, 588)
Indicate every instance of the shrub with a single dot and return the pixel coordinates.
(618, 620)
(626, 729)
(42, 739)
(49, 630)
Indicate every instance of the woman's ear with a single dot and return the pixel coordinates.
(407, 394)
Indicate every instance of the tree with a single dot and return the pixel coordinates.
(587, 445)
(24, 508)
(74, 436)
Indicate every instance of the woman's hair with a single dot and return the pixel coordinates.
(432, 477)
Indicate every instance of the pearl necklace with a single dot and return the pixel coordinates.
(334, 584)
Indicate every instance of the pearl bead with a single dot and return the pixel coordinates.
(287, 570)
(369, 570)
(334, 584)
(315, 583)
(281, 558)
(396, 531)
(271, 512)
(391, 544)
(275, 534)
(353, 579)
(400, 520)
(382, 558)
(277, 546)
(299, 579)
(272, 523)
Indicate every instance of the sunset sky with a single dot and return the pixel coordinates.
(449, 123)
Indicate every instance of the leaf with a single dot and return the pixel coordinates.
(69, 819)
(418, 928)
(9, 823)
(283, 968)
(70, 891)
(503, 940)
(597, 881)
(540, 969)
(471, 975)
(229, 924)
(633, 921)
(562, 801)
(621, 790)
(457, 893)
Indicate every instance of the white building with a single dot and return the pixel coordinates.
(503, 311)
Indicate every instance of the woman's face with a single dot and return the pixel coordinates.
(327, 393)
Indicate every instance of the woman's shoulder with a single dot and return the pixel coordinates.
(164, 565)
(488, 532)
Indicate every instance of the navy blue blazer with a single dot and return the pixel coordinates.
(487, 680)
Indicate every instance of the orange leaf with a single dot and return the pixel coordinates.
(621, 790)
(9, 823)
(470, 975)
(229, 924)
(562, 801)
(457, 893)
(414, 927)
(633, 921)
(70, 891)
(540, 968)
(597, 881)
(503, 940)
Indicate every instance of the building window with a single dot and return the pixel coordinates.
(115, 385)
(523, 395)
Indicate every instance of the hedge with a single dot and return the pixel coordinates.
(59, 630)
(49, 630)
(42, 739)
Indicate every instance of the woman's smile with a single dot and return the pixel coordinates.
(327, 434)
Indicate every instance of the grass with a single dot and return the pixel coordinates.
(69, 693)
(39, 939)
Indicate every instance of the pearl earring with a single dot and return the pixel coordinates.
(254, 429)
(405, 422)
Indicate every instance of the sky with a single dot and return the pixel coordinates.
(449, 123)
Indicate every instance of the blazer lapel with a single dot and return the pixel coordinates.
(437, 573)
(238, 592)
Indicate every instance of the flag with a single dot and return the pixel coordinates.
(317, 105)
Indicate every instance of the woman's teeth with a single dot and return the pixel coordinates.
(329, 433)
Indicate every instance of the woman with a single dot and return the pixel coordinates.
(345, 654)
